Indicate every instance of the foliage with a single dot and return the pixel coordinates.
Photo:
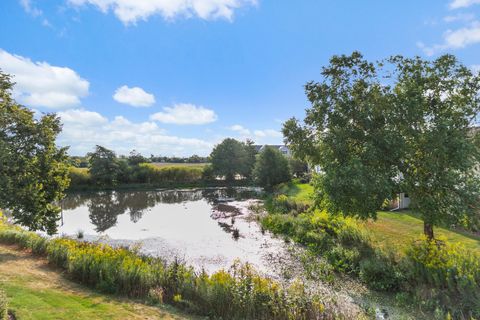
(33, 171)
(239, 293)
(271, 168)
(398, 125)
(104, 167)
(435, 275)
(231, 158)
(135, 158)
(3, 306)
(451, 275)
(299, 168)
(79, 176)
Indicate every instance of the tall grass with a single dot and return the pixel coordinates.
(238, 293)
(3, 306)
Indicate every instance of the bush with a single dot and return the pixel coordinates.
(79, 177)
(173, 174)
(239, 293)
(451, 274)
(3, 306)
(380, 273)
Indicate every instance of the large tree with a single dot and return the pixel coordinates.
(104, 166)
(271, 168)
(400, 125)
(33, 171)
(232, 157)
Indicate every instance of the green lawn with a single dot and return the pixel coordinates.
(37, 291)
(391, 228)
(400, 228)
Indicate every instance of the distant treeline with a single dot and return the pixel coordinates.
(232, 162)
(82, 161)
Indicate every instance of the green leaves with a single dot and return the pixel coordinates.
(271, 168)
(33, 171)
(400, 125)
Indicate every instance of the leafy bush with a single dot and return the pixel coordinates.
(380, 273)
(161, 175)
(79, 176)
(3, 306)
(451, 274)
(239, 293)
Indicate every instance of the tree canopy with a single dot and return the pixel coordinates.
(399, 125)
(232, 157)
(33, 171)
(271, 168)
(104, 166)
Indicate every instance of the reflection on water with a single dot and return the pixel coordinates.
(207, 227)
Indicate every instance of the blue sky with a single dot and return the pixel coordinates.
(174, 77)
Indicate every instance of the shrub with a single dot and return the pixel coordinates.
(79, 176)
(173, 174)
(3, 306)
(380, 273)
(451, 274)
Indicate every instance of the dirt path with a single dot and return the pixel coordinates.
(37, 290)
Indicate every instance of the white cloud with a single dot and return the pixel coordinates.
(39, 84)
(30, 8)
(130, 11)
(465, 17)
(268, 133)
(83, 129)
(240, 129)
(136, 97)
(185, 113)
(266, 136)
(456, 4)
(455, 39)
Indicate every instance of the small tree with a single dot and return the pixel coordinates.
(104, 166)
(271, 168)
(402, 125)
(135, 158)
(33, 171)
(230, 158)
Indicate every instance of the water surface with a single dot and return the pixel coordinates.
(209, 228)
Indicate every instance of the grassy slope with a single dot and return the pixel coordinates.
(391, 228)
(37, 291)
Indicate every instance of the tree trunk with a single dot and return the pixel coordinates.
(428, 230)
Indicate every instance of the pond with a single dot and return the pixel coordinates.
(208, 228)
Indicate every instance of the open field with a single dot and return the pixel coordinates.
(38, 291)
(169, 165)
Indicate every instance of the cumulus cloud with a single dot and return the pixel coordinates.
(240, 129)
(83, 129)
(39, 84)
(130, 11)
(136, 97)
(185, 113)
(455, 39)
(456, 4)
(266, 136)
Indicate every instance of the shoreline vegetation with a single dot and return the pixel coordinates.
(440, 277)
(239, 293)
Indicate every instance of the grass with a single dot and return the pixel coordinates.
(36, 290)
(398, 229)
(301, 192)
(391, 229)
(179, 165)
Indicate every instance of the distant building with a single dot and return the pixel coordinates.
(282, 148)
